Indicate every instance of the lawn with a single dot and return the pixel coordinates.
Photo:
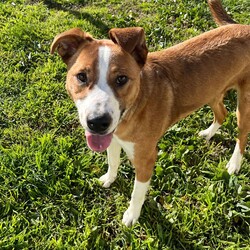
(50, 197)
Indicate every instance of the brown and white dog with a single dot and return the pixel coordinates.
(127, 98)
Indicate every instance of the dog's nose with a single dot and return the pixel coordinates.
(99, 124)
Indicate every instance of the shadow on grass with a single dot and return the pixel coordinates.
(167, 234)
(70, 8)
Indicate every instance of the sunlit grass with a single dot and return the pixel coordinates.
(50, 197)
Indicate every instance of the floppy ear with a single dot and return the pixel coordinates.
(131, 40)
(68, 42)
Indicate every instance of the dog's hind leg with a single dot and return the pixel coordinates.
(243, 120)
(114, 151)
(220, 113)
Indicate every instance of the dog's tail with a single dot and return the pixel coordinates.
(219, 14)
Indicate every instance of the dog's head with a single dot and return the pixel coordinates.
(103, 77)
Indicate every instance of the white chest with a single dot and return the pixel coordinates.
(127, 146)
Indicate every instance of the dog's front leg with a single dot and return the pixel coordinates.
(137, 199)
(144, 164)
(114, 151)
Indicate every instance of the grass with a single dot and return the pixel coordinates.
(50, 197)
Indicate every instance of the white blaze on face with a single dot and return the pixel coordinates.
(100, 99)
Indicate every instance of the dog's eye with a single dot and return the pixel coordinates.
(82, 77)
(121, 80)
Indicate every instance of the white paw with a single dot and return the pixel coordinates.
(131, 216)
(234, 164)
(210, 132)
(206, 134)
(232, 167)
(107, 180)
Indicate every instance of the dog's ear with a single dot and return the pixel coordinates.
(68, 42)
(131, 40)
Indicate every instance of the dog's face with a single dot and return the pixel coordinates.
(103, 78)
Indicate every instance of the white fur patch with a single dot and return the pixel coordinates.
(137, 199)
(104, 55)
(128, 147)
(100, 99)
(210, 132)
(233, 165)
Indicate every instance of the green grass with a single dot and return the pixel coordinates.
(50, 197)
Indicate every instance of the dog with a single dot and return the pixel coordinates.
(127, 98)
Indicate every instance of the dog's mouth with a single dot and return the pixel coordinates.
(98, 143)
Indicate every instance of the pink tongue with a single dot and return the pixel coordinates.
(98, 143)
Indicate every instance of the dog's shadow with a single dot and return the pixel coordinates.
(70, 8)
(164, 229)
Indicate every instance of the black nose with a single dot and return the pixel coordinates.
(99, 124)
